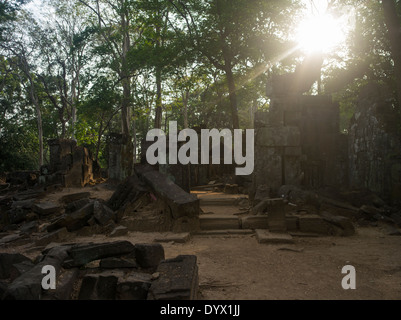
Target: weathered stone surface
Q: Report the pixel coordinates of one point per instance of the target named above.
(135, 287)
(345, 224)
(20, 268)
(178, 280)
(82, 254)
(255, 222)
(264, 236)
(174, 237)
(278, 137)
(64, 287)
(7, 260)
(29, 227)
(276, 215)
(16, 215)
(24, 204)
(292, 222)
(74, 197)
(99, 286)
(180, 202)
(3, 288)
(11, 238)
(119, 231)
(149, 255)
(76, 205)
(231, 189)
(102, 213)
(46, 208)
(28, 285)
(73, 221)
(374, 144)
(314, 224)
(111, 263)
(262, 192)
(216, 222)
(55, 236)
(370, 211)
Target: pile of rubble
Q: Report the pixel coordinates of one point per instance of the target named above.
(322, 212)
(100, 271)
(146, 201)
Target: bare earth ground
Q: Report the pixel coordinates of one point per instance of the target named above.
(237, 267)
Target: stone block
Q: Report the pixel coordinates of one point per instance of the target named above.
(75, 197)
(255, 222)
(313, 224)
(178, 280)
(135, 287)
(266, 237)
(149, 255)
(7, 260)
(59, 235)
(276, 215)
(216, 222)
(46, 208)
(278, 137)
(83, 253)
(112, 263)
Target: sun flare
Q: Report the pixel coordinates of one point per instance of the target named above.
(320, 33)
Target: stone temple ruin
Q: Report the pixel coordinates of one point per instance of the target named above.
(309, 180)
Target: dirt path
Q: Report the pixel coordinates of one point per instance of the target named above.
(238, 268)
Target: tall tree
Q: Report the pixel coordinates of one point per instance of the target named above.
(230, 33)
(392, 19)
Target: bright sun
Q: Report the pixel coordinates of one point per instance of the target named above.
(320, 33)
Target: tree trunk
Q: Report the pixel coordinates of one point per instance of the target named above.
(158, 116)
(233, 97)
(393, 22)
(185, 98)
(125, 77)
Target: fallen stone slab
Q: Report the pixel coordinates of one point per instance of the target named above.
(135, 287)
(149, 255)
(82, 254)
(267, 237)
(16, 215)
(29, 227)
(119, 231)
(314, 224)
(19, 268)
(24, 204)
(174, 237)
(216, 222)
(28, 286)
(11, 238)
(102, 213)
(73, 221)
(116, 263)
(178, 279)
(76, 205)
(180, 202)
(345, 224)
(7, 260)
(46, 208)
(64, 287)
(101, 286)
(239, 232)
(74, 197)
(59, 235)
(255, 222)
(292, 222)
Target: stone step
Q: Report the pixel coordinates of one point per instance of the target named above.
(219, 222)
(221, 201)
(224, 232)
(265, 236)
